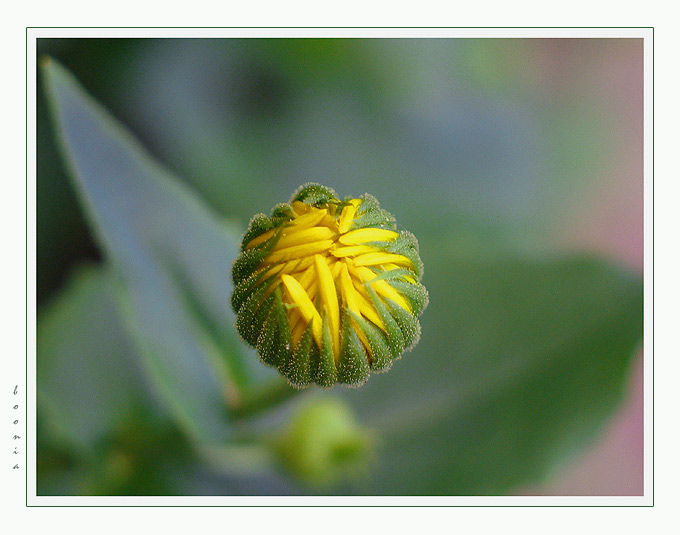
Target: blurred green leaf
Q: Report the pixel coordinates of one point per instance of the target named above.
(89, 381)
(519, 366)
(171, 256)
(99, 431)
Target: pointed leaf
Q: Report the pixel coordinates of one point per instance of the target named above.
(172, 258)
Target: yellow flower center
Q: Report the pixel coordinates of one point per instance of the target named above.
(323, 265)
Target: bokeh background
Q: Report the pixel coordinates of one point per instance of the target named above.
(525, 145)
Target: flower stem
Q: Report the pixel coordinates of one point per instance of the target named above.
(261, 398)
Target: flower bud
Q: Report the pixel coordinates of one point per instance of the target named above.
(328, 290)
(322, 444)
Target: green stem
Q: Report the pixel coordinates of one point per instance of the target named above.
(258, 399)
(244, 458)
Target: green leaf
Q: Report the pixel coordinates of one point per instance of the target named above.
(171, 256)
(89, 382)
(520, 364)
(100, 431)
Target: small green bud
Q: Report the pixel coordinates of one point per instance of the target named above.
(322, 444)
(328, 290)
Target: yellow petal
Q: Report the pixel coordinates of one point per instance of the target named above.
(335, 268)
(296, 265)
(360, 296)
(349, 294)
(329, 298)
(374, 259)
(297, 330)
(354, 272)
(300, 237)
(307, 220)
(365, 235)
(329, 222)
(305, 278)
(313, 290)
(297, 251)
(257, 240)
(368, 310)
(301, 208)
(382, 287)
(352, 250)
(298, 296)
(346, 218)
(351, 300)
(294, 316)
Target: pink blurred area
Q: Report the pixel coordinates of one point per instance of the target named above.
(610, 222)
(613, 466)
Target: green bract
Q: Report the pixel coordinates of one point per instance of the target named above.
(326, 289)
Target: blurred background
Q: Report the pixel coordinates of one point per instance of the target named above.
(481, 147)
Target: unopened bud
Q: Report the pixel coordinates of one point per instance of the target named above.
(323, 444)
(328, 290)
